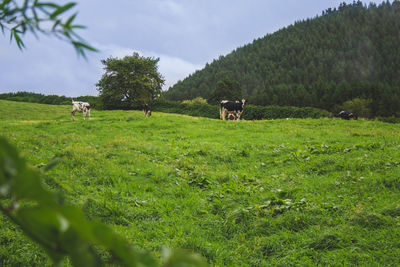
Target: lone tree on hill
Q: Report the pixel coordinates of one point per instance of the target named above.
(129, 82)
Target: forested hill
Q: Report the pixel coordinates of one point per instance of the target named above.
(348, 52)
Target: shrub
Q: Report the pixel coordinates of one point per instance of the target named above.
(281, 112)
(197, 100)
(195, 109)
(358, 106)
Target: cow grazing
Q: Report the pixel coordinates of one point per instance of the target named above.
(147, 110)
(345, 115)
(80, 107)
(231, 107)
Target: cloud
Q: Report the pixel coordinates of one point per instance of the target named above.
(171, 68)
(175, 69)
(49, 67)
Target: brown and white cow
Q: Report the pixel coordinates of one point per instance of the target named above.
(231, 107)
(80, 106)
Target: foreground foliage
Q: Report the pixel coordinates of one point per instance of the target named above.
(35, 16)
(250, 193)
(61, 230)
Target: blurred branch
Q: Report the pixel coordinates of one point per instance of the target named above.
(47, 18)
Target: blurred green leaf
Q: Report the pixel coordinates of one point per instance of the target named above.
(61, 9)
(18, 40)
(46, 4)
(182, 258)
(11, 19)
(83, 45)
(69, 21)
(22, 181)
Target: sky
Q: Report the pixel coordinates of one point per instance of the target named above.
(183, 34)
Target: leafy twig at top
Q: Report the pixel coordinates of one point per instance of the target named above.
(44, 17)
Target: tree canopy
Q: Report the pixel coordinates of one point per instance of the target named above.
(225, 89)
(348, 52)
(129, 82)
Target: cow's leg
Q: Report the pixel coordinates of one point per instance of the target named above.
(88, 113)
(223, 113)
(238, 114)
(73, 115)
(84, 114)
(226, 113)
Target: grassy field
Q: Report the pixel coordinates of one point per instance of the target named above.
(250, 193)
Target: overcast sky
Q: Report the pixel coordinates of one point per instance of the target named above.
(184, 34)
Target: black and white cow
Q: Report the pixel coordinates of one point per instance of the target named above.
(345, 115)
(147, 110)
(80, 107)
(231, 107)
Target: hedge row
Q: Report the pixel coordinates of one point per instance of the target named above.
(199, 110)
(250, 112)
(196, 109)
(50, 99)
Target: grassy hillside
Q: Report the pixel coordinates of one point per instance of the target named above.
(250, 193)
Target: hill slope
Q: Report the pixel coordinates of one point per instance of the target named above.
(349, 52)
(298, 192)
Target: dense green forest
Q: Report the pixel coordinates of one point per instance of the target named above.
(350, 52)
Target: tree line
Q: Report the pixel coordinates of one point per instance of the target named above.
(350, 52)
(50, 99)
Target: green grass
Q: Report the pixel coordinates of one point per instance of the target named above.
(250, 193)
